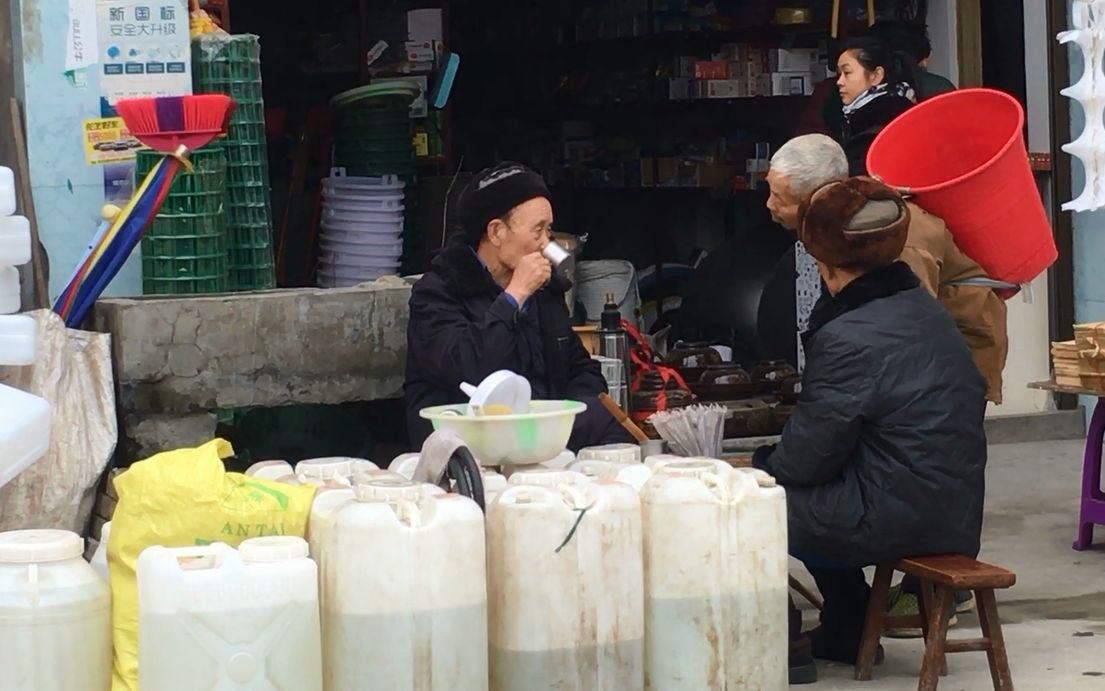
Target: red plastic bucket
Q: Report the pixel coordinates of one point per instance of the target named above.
(963, 157)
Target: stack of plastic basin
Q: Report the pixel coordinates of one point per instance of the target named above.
(362, 229)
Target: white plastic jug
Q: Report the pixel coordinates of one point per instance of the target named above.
(565, 584)
(219, 619)
(24, 428)
(704, 622)
(270, 470)
(7, 191)
(340, 470)
(405, 591)
(762, 584)
(55, 615)
(546, 477)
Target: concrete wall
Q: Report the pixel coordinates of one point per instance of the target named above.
(942, 33)
(177, 360)
(68, 193)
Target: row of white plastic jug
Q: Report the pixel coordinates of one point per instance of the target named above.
(686, 589)
(24, 419)
(335, 471)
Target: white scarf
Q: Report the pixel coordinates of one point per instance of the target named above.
(900, 89)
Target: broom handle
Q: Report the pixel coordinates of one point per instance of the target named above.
(620, 416)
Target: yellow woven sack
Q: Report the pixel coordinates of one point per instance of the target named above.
(181, 498)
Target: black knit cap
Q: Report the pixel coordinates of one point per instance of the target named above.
(493, 193)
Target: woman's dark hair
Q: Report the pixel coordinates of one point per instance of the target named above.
(873, 52)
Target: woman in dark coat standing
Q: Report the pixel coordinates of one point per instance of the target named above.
(876, 85)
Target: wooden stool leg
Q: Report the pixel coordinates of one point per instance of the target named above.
(938, 636)
(991, 629)
(926, 606)
(872, 627)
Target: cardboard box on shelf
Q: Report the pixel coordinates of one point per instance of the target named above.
(717, 88)
(665, 175)
(422, 51)
(714, 175)
(711, 69)
(678, 88)
(791, 84)
(792, 59)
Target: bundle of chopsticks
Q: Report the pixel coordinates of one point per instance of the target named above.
(1081, 363)
(696, 430)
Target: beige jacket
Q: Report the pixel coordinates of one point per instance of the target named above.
(978, 312)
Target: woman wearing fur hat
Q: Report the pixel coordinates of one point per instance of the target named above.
(884, 455)
(491, 301)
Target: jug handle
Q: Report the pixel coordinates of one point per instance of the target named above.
(409, 510)
(719, 486)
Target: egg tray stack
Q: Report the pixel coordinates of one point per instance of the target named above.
(231, 65)
(373, 139)
(184, 251)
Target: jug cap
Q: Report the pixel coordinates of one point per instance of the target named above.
(35, 546)
(274, 548)
(388, 490)
(547, 477)
(763, 478)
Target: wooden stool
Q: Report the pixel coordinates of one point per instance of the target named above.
(940, 577)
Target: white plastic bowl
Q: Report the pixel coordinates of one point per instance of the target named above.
(527, 439)
(378, 217)
(350, 263)
(357, 237)
(339, 248)
(361, 184)
(391, 228)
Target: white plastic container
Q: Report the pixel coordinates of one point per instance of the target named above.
(15, 241)
(24, 430)
(547, 477)
(18, 340)
(714, 626)
(270, 470)
(405, 606)
(99, 557)
(217, 618)
(405, 464)
(565, 577)
(55, 615)
(341, 470)
(762, 580)
(561, 462)
(7, 191)
(614, 453)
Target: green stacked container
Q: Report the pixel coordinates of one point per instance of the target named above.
(184, 252)
(232, 65)
(373, 138)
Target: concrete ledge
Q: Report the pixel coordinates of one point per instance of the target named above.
(270, 348)
(1050, 426)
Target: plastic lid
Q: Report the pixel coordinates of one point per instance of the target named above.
(547, 477)
(270, 470)
(763, 479)
(618, 453)
(275, 548)
(388, 490)
(500, 393)
(561, 462)
(595, 468)
(37, 546)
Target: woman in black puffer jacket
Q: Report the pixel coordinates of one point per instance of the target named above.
(876, 85)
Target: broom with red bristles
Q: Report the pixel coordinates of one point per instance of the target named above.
(175, 126)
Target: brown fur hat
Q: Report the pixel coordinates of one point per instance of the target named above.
(856, 224)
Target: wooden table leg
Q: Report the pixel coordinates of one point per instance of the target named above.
(1093, 503)
(991, 628)
(938, 635)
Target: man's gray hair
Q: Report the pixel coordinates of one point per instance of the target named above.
(809, 162)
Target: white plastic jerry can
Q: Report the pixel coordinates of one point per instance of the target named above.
(55, 615)
(212, 617)
(762, 586)
(24, 418)
(692, 561)
(565, 577)
(405, 591)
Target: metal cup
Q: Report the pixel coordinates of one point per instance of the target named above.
(555, 254)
